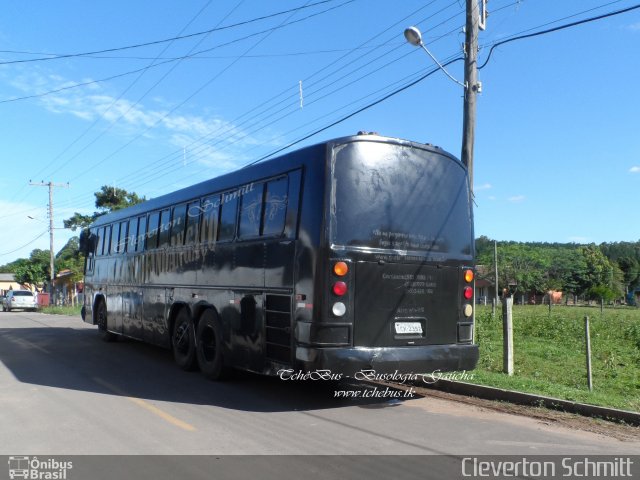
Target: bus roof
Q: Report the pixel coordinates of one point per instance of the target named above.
(262, 170)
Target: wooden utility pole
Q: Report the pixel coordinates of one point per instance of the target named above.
(51, 186)
(472, 86)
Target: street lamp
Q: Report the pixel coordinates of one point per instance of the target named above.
(414, 37)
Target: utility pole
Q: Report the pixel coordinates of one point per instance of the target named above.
(51, 186)
(472, 86)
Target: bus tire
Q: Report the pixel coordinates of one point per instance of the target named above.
(209, 341)
(101, 317)
(183, 340)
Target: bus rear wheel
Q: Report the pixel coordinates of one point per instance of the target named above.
(183, 341)
(101, 317)
(209, 341)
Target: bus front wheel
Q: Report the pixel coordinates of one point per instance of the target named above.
(209, 341)
(183, 341)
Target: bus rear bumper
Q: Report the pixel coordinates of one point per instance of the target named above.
(418, 360)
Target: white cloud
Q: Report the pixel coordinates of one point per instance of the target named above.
(516, 198)
(484, 186)
(635, 27)
(131, 119)
(635, 169)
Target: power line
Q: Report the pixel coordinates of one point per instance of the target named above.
(352, 114)
(195, 54)
(166, 40)
(123, 114)
(218, 57)
(208, 82)
(555, 29)
(114, 102)
(25, 245)
(255, 118)
(395, 92)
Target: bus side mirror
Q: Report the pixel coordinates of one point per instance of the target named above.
(87, 242)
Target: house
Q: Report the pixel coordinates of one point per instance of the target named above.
(65, 290)
(8, 282)
(485, 289)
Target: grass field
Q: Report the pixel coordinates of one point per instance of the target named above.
(549, 353)
(67, 310)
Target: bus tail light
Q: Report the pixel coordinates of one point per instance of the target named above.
(467, 293)
(339, 309)
(340, 269)
(340, 279)
(340, 288)
(468, 276)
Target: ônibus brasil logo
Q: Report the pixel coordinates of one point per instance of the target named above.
(33, 468)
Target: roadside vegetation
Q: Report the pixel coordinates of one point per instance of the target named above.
(61, 310)
(550, 353)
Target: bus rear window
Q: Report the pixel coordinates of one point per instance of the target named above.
(401, 198)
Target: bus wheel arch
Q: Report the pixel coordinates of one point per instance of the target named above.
(100, 319)
(183, 337)
(210, 346)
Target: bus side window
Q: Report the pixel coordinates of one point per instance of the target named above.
(251, 212)
(178, 225)
(142, 233)
(152, 236)
(227, 228)
(100, 242)
(275, 206)
(122, 243)
(210, 209)
(132, 238)
(165, 227)
(193, 221)
(107, 240)
(115, 234)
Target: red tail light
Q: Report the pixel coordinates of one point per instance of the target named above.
(340, 288)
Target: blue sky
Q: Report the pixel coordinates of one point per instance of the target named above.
(557, 153)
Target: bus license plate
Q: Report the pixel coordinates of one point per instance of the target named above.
(408, 327)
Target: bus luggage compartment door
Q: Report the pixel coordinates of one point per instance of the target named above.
(405, 304)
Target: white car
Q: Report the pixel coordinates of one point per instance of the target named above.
(23, 299)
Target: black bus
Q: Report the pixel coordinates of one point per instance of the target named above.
(354, 254)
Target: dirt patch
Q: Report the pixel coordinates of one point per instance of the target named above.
(544, 416)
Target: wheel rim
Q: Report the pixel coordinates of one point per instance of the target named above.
(208, 344)
(181, 338)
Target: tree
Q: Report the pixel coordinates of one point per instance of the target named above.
(108, 199)
(34, 270)
(70, 258)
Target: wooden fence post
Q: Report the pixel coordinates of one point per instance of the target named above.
(588, 341)
(507, 334)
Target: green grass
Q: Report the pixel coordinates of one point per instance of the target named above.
(550, 359)
(66, 310)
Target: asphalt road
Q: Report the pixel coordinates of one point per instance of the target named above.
(65, 392)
